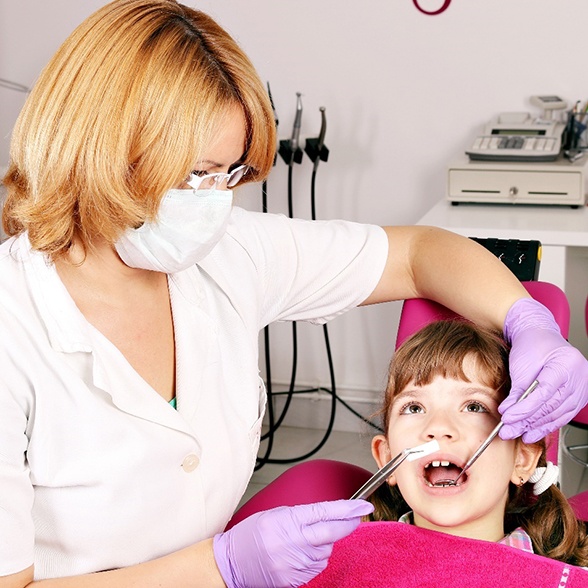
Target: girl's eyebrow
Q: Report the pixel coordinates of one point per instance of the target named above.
(409, 393)
(417, 392)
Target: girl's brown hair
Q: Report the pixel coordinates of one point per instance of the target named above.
(440, 348)
(120, 114)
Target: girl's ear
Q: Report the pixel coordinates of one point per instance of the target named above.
(526, 459)
(382, 454)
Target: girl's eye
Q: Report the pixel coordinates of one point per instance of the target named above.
(412, 408)
(476, 407)
(199, 173)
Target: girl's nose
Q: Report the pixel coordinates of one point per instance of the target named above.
(440, 426)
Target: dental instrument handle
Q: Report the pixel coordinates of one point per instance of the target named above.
(388, 469)
(380, 477)
(321, 137)
(295, 140)
(492, 435)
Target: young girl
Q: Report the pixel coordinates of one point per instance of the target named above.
(446, 383)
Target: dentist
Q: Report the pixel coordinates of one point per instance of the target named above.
(132, 295)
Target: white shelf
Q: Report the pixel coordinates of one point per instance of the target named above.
(552, 225)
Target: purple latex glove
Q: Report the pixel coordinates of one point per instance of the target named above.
(540, 352)
(285, 546)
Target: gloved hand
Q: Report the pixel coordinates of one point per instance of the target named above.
(538, 351)
(285, 546)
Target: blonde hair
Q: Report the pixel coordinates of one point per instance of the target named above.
(120, 114)
(440, 348)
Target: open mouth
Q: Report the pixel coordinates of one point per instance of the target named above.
(442, 474)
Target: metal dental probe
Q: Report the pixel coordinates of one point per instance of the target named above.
(491, 437)
(386, 471)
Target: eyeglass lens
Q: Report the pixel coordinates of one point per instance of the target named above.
(219, 180)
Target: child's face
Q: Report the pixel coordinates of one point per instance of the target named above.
(459, 415)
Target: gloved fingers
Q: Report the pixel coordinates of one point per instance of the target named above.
(511, 399)
(330, 521)
(327, 532)
(533, 413)
(514, 411)
(316, 512)
(538, 426)
(558, 418)
(550, 393)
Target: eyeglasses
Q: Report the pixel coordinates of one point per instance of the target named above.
(217, 181)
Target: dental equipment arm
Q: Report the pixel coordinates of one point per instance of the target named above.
(386, 471)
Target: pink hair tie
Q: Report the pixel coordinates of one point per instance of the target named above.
(543, 478)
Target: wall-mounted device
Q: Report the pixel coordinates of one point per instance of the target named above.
(518, 136)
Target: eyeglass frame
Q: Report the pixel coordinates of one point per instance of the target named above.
(232, 178)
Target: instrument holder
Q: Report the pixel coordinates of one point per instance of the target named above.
(312, 150)
(285, 151)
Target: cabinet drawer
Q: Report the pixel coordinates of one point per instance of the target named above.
(515, 187)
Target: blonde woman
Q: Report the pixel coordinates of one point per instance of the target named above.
(132, 295)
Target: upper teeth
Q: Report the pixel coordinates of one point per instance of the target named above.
(436, 464)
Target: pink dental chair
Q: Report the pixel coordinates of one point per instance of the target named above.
(580, 501)
(321, 479)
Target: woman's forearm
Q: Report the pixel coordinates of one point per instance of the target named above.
(192, 567)
(427, 262)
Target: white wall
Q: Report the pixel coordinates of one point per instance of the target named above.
(404, 93)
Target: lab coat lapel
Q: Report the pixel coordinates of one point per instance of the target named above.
(130, 393)
(198, 364)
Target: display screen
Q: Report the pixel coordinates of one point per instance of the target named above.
(527, 132)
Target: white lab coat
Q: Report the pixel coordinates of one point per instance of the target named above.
(97, 471)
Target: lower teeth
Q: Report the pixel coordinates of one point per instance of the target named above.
(443, 484)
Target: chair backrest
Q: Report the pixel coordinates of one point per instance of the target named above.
(306, 482)
(417, 313)
(582, 417)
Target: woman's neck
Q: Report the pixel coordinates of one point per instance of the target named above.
(100, 268)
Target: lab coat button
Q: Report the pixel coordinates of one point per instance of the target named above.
(190, 463)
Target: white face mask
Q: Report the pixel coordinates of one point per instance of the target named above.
(190, 223)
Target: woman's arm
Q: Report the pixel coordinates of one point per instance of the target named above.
(192, 567)
(427, 262)
(284, 546)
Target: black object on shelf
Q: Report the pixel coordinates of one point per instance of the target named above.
(523, 258)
